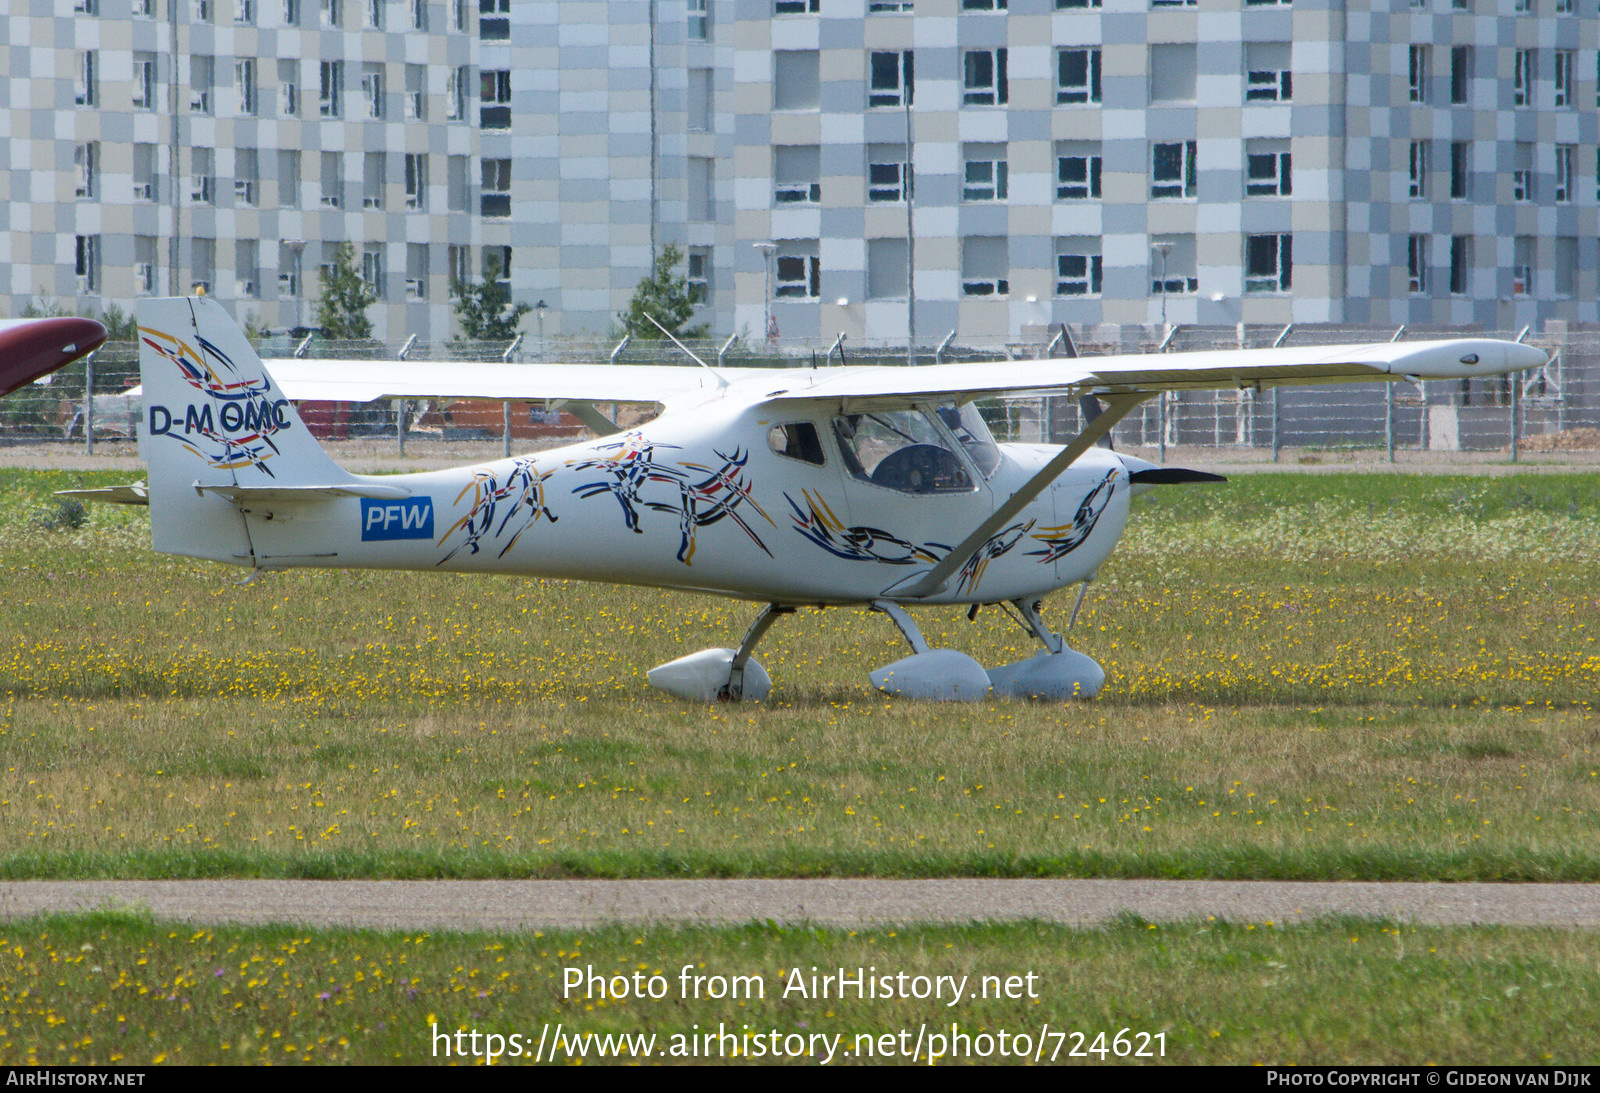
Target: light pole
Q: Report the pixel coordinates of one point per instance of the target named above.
(1163, 247)
(767, 250)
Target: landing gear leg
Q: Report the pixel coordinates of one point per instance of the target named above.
(733, 690)
(1055, 674)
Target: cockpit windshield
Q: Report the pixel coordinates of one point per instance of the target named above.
(969, 428)
(901, 450)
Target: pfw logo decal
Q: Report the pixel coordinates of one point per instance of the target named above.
(408, 519)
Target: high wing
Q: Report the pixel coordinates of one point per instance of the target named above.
(367, 380)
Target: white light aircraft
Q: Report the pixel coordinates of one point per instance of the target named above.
(791, 488)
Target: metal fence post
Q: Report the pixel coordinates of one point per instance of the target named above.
(1388, 405)
(1277, 444)
(1516, 401)
(400, 403)
(505, 406)
(88, 405)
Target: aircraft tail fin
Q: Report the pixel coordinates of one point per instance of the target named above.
(216, 427)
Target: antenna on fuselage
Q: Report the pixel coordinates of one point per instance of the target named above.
(720, 381)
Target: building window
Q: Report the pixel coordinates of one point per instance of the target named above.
(1566, 270)
(246, 176)
(702, 205)
(1563, 74)
(416, 271)
(86, 262)
(1078, 170)
(244, 11)
(455, 93)
(1077, 76)
(795, 85)
(419, 14)
(375, 178)
(144, 9)
(1460, 74)
(1172, 272)
(886, 269)
(699, 21)
(984, 175)
(699, 105)
(372, 89)
(494, 98)
(332, 13)
(1172, 170)
(1522, 75)
(202, 11)
(416, 181)
(1563, 7)
(799, 270)
(86, 161)
(1066, 5)
(1522, 7)
(291, 13)
(1267, 75)
(1172, 73)
(1460, 170)
(246, 269)
(1078, 266)
(372, 268)
(458, 14)
(984, 80)
(288, 179)
(698, 275)
(456, 184)
(495, 198)
(494, 20)
(289, 89)
(784, 7)
(144, 264)
(890, 83)
(1269, 263)
(497, 265)
(797, 174)
(1267, 170)
(1421, 154)
(203, 161)
(876, 7)
(1522, 173)
(1566, 155)
(204, 252)
(202, 81)
(1417, 264)
(1172, 3)
(458, 263)
(1522, 266)
(985, 266)
(333, 180)
(1419, 67)
(416, 93)
(145, 187)
(244, 81)
(144, 81)
(1460, 264)
(983, 5)
(330, 102)
(886, 172)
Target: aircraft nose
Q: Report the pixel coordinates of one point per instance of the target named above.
(32, 348)
(1521, 357)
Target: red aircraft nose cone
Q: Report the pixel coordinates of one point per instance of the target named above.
(30, 348)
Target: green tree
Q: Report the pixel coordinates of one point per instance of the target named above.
(342, 305)
(665, 295)
(485, 310)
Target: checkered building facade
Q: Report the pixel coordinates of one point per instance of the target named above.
(1432, 162)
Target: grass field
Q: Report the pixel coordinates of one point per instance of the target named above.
(114, 988)
(1314, 677)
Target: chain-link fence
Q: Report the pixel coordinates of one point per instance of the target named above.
(1555, 407)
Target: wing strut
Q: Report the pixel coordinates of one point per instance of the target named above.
(1117, 407)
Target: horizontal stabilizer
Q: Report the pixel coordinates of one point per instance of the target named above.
(136, 493)
(304, 493)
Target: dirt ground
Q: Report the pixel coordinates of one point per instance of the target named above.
(375, 455)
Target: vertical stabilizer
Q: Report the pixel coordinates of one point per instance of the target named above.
(213, 418)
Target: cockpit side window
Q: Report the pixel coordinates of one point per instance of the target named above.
(900, 450)
(796, 440)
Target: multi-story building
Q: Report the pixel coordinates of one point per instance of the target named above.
(1084, 161)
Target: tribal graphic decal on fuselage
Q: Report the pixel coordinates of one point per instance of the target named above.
(1063, 540)
(997, 545)
(817, 522)
(697, 494)
(233, 423)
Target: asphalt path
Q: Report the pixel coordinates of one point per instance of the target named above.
(541, 904)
